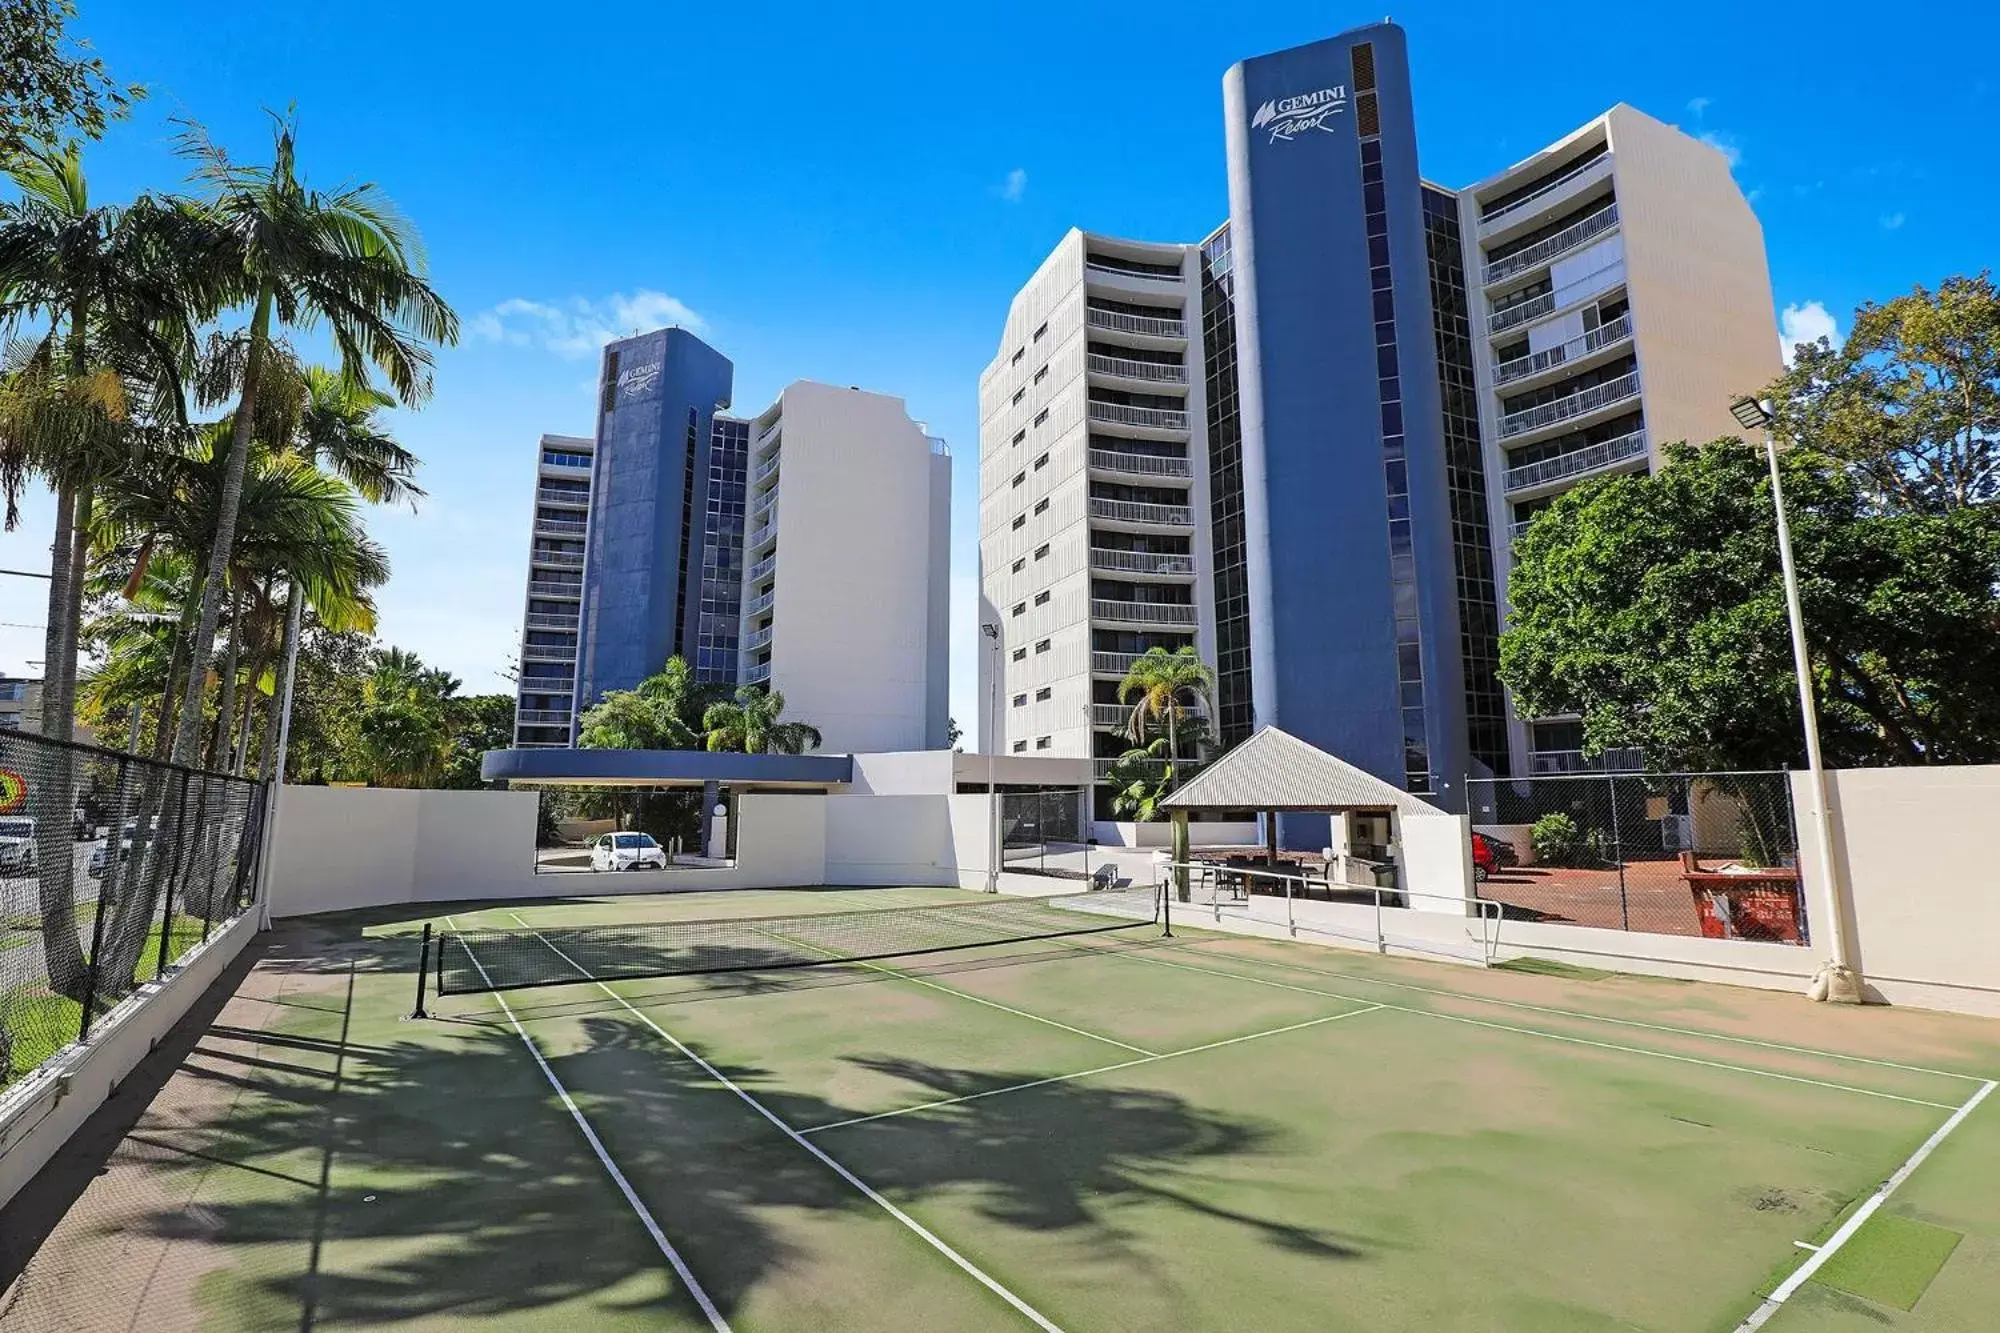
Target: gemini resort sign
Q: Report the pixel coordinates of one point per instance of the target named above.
(1289, 117)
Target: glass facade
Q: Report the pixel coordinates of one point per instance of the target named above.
(1234, 715)
(1395, 461)
(720, 618)
(1465, 476)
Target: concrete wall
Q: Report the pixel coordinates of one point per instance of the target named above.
(1923, 892)
(889, 840)
(1437, 861)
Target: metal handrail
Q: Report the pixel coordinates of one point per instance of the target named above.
(558, 496)
(1139, 465)
(1604, 335)
(543, 523)
(769, 532)
(558, 559)
(1601, 160)
(542, 620)
(1548, 248)
(1522, 313)
(759, 605)
(1115, 270)
(1570, 405)
(1142, 613)
(548, 652)
(1141, 324)
(1165, 372)
(1577, 462)
(757, 639)
(763, 567)
(756, 673)
(1116, 663)
(1151, 418)
(1138, 511)
(764, 503)
(1141, 562)
(537, 588)
(1619, 759)
(767, 467)
(541, 717)
(1218, 879)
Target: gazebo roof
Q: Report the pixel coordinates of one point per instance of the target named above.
(1275, 770)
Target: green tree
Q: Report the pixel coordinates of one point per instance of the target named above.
(1165, 687)
(751, 723)
(346, 259)
(50, 85)
(479, 722)
(1911, 401)
(1652, 607)
(664, 713)
(405, 727)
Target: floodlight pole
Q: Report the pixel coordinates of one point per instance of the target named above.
(991, 630)
(1843, 981)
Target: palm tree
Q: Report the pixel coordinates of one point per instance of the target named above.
(749, 724)
(405, 722)
(347, 259)
(1164, 683)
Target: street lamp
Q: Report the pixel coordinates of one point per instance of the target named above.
(991, 629)
(1842, 981)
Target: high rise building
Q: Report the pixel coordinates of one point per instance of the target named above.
(1094, 541)
(838, 596)
(1388, 377)
(543, 705)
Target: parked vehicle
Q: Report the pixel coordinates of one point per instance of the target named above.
(100, 855)
(17, 845)
(627, 851)
(1485, 857)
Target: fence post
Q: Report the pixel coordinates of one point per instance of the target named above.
(1291, 922)
(1381, 938)
(97, 917)
(1618, 854)
(167, 880)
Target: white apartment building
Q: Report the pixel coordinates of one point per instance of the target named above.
(544, 697)
(1620, 299)
(1093, 484)
(847, 556)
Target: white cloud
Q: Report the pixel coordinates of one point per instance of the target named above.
(576, 328)
(1725, 144)
(1806, 323)
(1891, 221)
(1015, 185)
(1697, 105)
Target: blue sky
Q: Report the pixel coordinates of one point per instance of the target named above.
(853, 197)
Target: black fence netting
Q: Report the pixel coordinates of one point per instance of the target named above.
(112, 867)
(1712, 854)
(1047, 831)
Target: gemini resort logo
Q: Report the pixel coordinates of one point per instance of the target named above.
(1289, 117)
(636, 380)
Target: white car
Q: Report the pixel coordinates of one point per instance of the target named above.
(17, 845)
(627, 851)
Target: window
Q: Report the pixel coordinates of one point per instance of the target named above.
(1019, 394)
(1019, 477)
(1020, 564)
(1041, 551)
(1019, 352)
(1041, 416)
(1020, 701)
(1040, 375)
(1044, 742)
(1020, 654)
(1020, 434)
(563, 458)
(1041, 462)
(1020, 521)
(1042, 597)
(1042, 330)
(1041, 505)
(1020, 746)
(1041, 646)
(1020, 609)
(1043, 693)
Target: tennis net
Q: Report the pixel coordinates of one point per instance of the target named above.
(515, 959)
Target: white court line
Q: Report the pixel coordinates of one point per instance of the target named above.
(715, 1319)
(963, 995)
(1621, 1022)
(1040, 1320)
(1553, 1036)
(1812, 1263)
(1086, 1073)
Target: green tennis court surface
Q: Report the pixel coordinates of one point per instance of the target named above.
(1101, 1132)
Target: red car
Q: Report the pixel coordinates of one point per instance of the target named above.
(1485, 857)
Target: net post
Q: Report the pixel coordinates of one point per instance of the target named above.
(1167, 906)
(423, 971)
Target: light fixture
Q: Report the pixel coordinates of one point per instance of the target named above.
(1752, 414)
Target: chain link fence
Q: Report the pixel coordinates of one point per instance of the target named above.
(1712, 854)
(112, 867)
(1047, 832)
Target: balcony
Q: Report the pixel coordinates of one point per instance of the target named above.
(757, 606)
(1541, 252)
(1118, 717)
(1172, 615)
(1578, 462)
(1156, 768)
(560, 526)
(766, 468)
(538, 588)
(547, 684)
(1623, 760)
(757, 639)
(556, 495)
(1607, 335)
(1114, 269)
(551, 622)
(762, 536)
(1577, 404)
(557, 559)
(1112, 664)
(1139, 465)
(1155, 564)
(1155, 371)
(756, 673)
(763, 568)
(1144, 325)
(1512, 316)
(1134, 511)
(542, 717)
(764, 504)
(1147, 418)
(1542, 197)
(548, 652)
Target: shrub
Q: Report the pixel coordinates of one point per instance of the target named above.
(1558, 841)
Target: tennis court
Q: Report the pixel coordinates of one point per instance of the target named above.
(1099, 1129)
